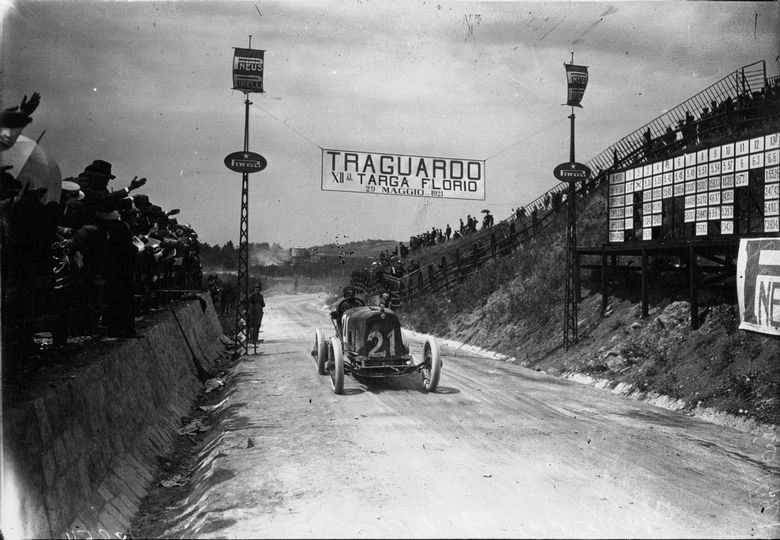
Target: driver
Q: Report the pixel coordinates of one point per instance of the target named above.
(348, 302)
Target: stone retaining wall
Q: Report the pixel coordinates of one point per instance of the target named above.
(79, 459)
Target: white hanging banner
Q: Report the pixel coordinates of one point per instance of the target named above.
(396, 174)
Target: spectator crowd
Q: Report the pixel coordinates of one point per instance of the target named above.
(438, 236)
(750, 112)
(80, 257)
(723, 119)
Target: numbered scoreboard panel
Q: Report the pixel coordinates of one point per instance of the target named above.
(720, 191)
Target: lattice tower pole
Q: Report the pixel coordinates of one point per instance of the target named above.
(242, 285)
(570, 308)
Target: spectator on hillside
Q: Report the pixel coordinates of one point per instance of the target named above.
(557, 201)
(471, 223)
(447, 232)
(487, 221)
(689, 130)
(669, 137)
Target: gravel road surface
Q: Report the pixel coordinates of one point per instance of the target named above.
(497, 451)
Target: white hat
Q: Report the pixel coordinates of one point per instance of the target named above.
(72, 187)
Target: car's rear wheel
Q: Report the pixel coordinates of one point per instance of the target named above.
(431, 370)
(321, 352)
(336, 365)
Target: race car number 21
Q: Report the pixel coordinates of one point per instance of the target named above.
(384, 344)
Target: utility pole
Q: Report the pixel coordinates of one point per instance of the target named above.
(570, 309)
(242, 288)
(571, 172)
(248, 65)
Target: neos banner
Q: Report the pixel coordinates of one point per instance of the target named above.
(409, 176)
(758, 285)
(577, 81)
(248, 70)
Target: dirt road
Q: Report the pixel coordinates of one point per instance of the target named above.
(497, 451)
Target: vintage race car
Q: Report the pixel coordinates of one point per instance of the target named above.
(369, 343)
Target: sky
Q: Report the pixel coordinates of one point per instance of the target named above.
(147, 87)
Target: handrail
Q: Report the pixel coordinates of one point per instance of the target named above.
(630, 149)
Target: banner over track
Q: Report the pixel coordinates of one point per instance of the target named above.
(410, 176)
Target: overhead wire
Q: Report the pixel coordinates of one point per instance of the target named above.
(534, 134)
(288, 126)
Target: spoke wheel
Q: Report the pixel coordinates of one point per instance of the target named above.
(321, 352)
(431, 370)
(336, 365)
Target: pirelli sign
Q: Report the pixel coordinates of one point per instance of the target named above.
(403, 175)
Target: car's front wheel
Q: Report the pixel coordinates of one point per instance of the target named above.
(336, 365)
(431, 370)
(321, 352)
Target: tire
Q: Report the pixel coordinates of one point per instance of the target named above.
(336, 365)
(321, 352)
(432, 369)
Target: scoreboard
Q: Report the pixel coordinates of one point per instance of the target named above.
(721, 191)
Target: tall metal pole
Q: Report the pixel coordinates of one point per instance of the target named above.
(572, 277)
(242, 286)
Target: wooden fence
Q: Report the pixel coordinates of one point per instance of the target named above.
(459, 263)
(475, 250)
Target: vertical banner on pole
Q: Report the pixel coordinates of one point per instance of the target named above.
(248, 67)
(577, 80)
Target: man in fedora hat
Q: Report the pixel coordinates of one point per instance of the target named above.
(103, 203)
(120, 257)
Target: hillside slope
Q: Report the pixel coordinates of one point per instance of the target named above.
(515, 307)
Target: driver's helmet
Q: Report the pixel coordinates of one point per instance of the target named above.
(384, 299)
(349, 292)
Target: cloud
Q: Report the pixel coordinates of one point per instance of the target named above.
(147, 86)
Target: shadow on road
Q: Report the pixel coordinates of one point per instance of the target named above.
(447, 390)
(411, 382)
